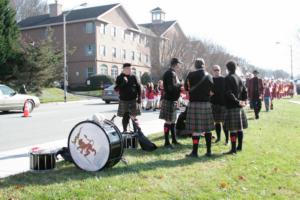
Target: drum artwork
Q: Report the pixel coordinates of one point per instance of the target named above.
(94, 146)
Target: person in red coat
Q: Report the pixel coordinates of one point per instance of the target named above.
(255, 92)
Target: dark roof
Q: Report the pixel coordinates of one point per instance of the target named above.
(147, 31)
(156, 9)
(79, 14)
(159, 28)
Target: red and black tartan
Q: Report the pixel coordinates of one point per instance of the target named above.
(236, 119)
(129, 106)
(199, 117)
(168, 110)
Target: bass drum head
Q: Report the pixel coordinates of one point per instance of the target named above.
(89, 146)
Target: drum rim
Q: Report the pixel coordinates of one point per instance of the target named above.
(120, 135)
(90, 121)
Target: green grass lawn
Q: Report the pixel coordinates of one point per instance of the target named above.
(268, 168)
(56, 95)
(93, 93)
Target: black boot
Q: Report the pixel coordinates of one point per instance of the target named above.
(240, 136)
(233, 144)
(173, 135)
(166, 132)
(194, 153)
(218, 132)
(125, 121)
(226, 134)
(208, 144)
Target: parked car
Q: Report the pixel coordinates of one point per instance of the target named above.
(11, 100)
(109, 95)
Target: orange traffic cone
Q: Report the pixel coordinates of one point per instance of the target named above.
(26, 110)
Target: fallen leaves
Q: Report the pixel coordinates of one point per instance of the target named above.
(224, 185)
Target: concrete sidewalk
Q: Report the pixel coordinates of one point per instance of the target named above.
(17, 161)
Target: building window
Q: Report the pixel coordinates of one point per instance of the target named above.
(90, 50)
(114, 71)
(147, 58)
(102, 28)
(102, 50)
(140, 57)
(103, 70)
(133, 71)
(124, 54)
(132, 55)
(114, 52)
(90, 71)
(114, 31)
(122, 34)
(131, 36)
(89, 27)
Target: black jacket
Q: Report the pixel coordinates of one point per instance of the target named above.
(235, 91)
(202, 92)
(219, 91)
(129, 90)
(171, 85)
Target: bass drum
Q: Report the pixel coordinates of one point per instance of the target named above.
(94, 146)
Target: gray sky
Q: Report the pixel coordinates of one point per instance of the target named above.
(246, 28)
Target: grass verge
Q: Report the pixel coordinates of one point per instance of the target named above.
(56, 95)
(268, 168)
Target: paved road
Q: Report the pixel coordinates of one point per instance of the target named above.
(52, 122)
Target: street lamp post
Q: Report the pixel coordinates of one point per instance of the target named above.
(65, 48)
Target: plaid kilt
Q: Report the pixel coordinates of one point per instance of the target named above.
(236, 119)
(218, 113)
(129, 106)
(199, 117)
(168, 110)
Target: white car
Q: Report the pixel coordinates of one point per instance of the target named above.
(11, 100)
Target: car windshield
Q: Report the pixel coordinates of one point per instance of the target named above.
(110, 87)
(6, 90)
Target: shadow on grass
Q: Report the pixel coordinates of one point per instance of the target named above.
(66, 171)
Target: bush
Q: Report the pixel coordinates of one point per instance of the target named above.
(100, 81)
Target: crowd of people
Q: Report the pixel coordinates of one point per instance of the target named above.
(215, 102)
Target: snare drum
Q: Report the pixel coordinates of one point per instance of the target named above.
(94, 146)
(130, 140)
(42, 160)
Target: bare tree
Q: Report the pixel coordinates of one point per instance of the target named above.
(29, 8)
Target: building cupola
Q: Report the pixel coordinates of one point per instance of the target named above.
(158, 15)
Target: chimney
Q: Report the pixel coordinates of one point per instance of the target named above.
(55, 9)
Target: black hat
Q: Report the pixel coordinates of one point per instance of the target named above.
(126, 65)
(199, 63)
(175, 61)
(255, 72)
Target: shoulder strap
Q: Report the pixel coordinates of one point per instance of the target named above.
(199, 83)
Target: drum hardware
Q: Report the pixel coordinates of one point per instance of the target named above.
(42, 159)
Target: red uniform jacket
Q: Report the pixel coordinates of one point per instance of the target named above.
(250, 88)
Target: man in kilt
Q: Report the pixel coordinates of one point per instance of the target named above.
(172, 88)
(199, 117)
(130, 95)
(235, 100)
(218, 103)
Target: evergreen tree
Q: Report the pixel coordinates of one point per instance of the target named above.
(9, 34)
(146, 78)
